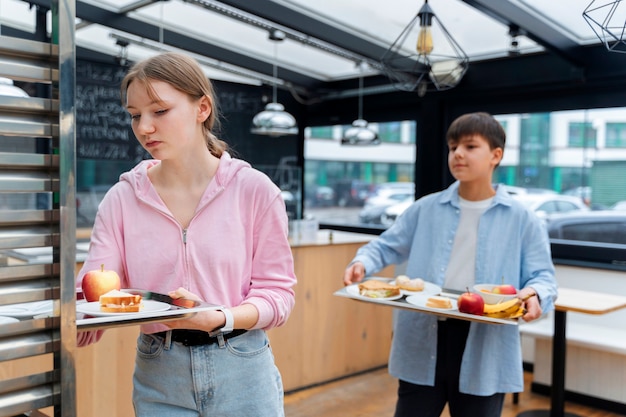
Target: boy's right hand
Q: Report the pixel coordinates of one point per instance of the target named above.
(354, 273)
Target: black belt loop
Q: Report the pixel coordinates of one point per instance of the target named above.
(197, 337)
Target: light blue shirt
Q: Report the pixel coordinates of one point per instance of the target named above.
(512, 243)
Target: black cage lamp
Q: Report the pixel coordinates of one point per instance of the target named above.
(425, 57)
(608, 25)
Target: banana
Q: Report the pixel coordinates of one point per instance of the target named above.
(517, 314)
(504, 309)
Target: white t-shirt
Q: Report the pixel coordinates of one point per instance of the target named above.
(462, 265)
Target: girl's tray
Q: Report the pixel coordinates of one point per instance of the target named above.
(417, 303)
(157, 308)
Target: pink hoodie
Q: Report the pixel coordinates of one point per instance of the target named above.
(235, 250)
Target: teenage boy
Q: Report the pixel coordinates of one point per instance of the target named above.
(470, 233)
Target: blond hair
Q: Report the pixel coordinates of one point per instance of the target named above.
(184, 74)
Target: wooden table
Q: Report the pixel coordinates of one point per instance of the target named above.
(579, 301)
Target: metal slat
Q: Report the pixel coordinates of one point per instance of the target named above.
(28, 291)
(23, 272)
(32, 182)
(32, 105)
(27, 48)
(28, 73)
(36, 237)
(31, 217)
(10, 160)
(27, 345)
(24, 401)
(11, 126)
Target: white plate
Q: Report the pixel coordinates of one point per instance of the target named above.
(24, 310)
(429, 288)
(420, 301)
(93, 308)
(354, 290)
(7, 320)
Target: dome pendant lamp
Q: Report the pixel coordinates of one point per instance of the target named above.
(274, 120)
(360, 133)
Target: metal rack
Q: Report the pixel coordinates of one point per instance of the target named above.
(37, 210)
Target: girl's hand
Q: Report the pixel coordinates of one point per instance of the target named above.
(202, 320)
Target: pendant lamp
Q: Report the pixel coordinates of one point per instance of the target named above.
(360, 133)
(274, 120)
(425, 57)
(608, 23)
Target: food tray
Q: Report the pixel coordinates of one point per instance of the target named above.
(402, 303)
(179, 309)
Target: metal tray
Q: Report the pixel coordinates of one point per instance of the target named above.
(180, 308)
(402, 303)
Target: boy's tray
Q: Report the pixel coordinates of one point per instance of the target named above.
(417, 303)
(157, 308)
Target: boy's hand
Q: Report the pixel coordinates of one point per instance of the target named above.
(532, 305)
(354, 273)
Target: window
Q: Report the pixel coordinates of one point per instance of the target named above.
(339, 180)
(581, 135)
(616, 135)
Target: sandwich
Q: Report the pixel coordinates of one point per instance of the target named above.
(378, 289)
(437, 301)
(116, 301)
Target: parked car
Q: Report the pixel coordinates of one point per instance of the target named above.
(582, 192)
(515, 190)
(319, 196)
(620, 205)
(608, 226)
(376, 204)
(546, 205)
(351, 192)
(391, 213)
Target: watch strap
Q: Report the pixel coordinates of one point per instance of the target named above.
(230, 321)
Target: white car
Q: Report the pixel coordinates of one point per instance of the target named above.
(545, 205)
(390, 214)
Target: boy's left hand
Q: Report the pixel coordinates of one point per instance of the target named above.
(532, 304)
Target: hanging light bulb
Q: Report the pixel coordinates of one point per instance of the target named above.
(274, 120)
(416, 64)
(425, 37)
(360, 133)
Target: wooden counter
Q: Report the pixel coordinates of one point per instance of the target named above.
(326, 337)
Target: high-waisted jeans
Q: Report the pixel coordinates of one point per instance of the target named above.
(236, 378)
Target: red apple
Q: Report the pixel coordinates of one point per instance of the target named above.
(98, 282)
(504, 289)
(471, 303)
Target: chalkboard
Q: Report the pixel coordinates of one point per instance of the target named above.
(103, 129)
(102, 124)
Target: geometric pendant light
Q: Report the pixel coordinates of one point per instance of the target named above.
(607, 24)
(274, 120)
(425, 57)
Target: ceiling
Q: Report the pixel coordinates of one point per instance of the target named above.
(327, 41)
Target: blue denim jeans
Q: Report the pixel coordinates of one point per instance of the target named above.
(238, 378)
